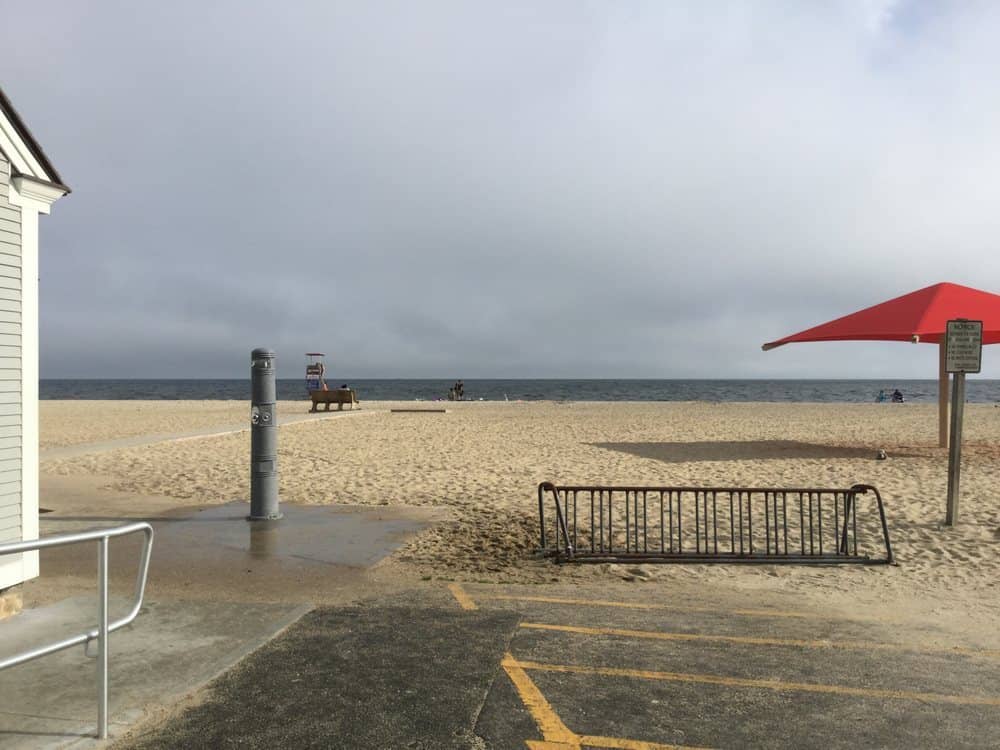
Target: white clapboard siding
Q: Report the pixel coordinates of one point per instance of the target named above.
(10, 362)
(10, 521)
(10, 528)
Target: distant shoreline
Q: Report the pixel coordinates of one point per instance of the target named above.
(550, 389)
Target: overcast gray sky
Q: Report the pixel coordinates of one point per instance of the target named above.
(538, 189)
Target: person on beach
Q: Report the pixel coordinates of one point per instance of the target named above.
(880, 398)
(897, 397)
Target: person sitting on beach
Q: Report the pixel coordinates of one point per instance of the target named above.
(897, 397)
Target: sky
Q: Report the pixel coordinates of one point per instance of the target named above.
(472, 189)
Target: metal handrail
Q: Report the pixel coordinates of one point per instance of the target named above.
(104, 628)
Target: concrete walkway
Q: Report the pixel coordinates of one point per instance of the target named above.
(169, 650)
(219, 587)
(72, 451)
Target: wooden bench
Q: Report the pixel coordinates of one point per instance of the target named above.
(338, 396)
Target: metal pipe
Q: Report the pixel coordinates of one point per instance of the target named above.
(955, 450)
(104, 628)
(942, 394)
(102, 638)
(541, 512)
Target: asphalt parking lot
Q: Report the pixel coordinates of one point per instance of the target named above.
(644, 674)
(554, 668)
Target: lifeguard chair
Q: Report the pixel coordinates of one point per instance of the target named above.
(315, 372)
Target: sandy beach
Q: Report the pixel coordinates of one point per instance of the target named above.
(482, 462)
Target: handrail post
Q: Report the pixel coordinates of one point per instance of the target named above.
(102, 638)
(104, 626)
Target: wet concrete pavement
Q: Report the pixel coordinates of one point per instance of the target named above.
(315, 553)
(219, 587)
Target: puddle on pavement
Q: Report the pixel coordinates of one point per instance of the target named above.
(337, 535)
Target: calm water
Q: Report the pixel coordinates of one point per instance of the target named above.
(978, 390)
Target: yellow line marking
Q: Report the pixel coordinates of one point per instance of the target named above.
(641, 605)
(972, 700)
(464, 600)
(618, 743)
(755, 641)
(548, 721)
(556, 735)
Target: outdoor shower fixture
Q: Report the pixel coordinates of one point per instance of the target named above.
(263, 438)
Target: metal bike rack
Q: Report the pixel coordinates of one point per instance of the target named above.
(104, 628)
(712, 524)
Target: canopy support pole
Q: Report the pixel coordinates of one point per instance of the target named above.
(942, 397)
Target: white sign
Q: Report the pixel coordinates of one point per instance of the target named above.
(964, 346)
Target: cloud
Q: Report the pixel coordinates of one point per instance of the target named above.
(537, 189)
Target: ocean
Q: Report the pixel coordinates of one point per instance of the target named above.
(832, 391)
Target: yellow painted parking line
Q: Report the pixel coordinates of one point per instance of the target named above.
(645, 606)
(755, 641)
(548, 721)
(464, 600)
(556, 735)
(619, 743)
(970, 700)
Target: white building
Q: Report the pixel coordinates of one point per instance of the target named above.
(29, 185)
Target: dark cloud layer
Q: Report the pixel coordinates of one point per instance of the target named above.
(534, 190)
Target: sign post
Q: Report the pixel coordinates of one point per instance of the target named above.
(963, 353)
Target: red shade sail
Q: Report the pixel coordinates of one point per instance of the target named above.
(923, 313)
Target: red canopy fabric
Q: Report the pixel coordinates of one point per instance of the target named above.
(922, 313)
